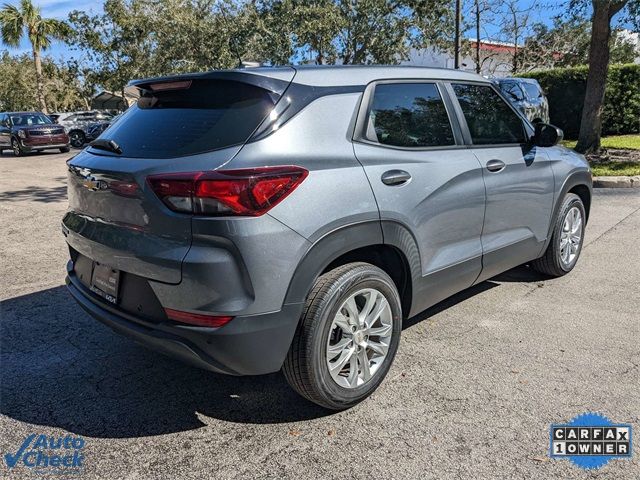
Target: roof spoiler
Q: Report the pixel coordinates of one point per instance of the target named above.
(274, 79)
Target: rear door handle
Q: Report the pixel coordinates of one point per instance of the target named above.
(395, 177)
(495, 165)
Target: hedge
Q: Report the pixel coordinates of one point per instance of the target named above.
(565, 89)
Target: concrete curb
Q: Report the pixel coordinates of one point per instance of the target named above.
(617, 182)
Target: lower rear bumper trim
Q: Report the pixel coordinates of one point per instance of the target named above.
(250, 345)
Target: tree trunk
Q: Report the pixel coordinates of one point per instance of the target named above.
(478, 67)
(591, 122)
(39, 83)
(514, 67)
(456, 42)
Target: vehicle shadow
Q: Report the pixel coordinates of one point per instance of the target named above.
(35, 194)
(60, 368)
(9, 154)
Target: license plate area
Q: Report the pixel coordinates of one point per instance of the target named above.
(105, 281)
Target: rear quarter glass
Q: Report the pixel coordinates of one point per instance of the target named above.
(207, 115)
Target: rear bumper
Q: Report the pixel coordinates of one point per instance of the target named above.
(249, 345)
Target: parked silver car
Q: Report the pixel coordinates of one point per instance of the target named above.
(253, 220)
(527, 96)
(77, 123)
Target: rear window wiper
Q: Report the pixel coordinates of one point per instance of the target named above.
(104, 144)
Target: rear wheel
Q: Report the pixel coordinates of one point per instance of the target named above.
(77, 138)
(347, 337)
(566, 241)
(17, 149)
(65, 150)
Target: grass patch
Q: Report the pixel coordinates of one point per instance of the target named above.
(623, 142)
(609, 169)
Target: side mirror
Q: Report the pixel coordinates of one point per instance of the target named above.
(547, 135)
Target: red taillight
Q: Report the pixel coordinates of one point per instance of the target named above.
(197, 318)
(250, 191)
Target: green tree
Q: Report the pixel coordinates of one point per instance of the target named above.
(16, 21)
(566, 44)
(63, 91)
(362, 32)
(599, 57)
(117, 43)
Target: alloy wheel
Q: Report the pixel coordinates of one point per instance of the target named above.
(359, 338)
(76, 139)
(571, 236)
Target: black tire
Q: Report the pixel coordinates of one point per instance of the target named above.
(305, 367)
(65, 150)
(551, 263)
(17, 149)
(77, 138)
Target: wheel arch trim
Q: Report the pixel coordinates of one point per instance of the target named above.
(344, 240)
(574, 179)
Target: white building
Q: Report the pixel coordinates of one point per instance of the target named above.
(496, 58)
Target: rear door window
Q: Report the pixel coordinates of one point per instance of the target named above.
(489, 118)
(195, 117)
(409, 115)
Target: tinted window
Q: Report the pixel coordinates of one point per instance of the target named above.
(204, 116)
(532, 89)
(512, 90)
(409, 115)
(490, 119)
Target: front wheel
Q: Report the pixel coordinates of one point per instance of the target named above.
(77, 138)
(17, 149)
(65, 150)
(347, 337)
(566, 240)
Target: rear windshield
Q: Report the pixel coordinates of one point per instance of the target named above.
(198, 116)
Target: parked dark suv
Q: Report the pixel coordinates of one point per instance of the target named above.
(248, 221)
(24, 132)
(527, 96)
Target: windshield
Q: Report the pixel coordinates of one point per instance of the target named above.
(29, 119)
(195, 116)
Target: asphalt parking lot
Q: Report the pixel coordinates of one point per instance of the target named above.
(474, 388)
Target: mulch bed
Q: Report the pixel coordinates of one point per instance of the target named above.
(614, 155)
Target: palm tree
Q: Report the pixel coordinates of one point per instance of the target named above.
(26, 19)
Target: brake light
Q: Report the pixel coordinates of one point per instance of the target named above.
(163, 86)
(248, 192)
(197, 318)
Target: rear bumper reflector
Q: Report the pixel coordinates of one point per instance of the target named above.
(197, 318)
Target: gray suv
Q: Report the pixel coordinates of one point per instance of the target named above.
(248, 221)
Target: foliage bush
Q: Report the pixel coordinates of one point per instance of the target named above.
(565, 88)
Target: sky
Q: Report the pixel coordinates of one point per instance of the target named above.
(61, 8)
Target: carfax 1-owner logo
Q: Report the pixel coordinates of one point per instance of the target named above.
(590, 440)
(48, 454)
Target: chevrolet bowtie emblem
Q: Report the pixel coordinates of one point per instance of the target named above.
(93, 184)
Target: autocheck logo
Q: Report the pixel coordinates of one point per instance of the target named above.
(48, 454)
